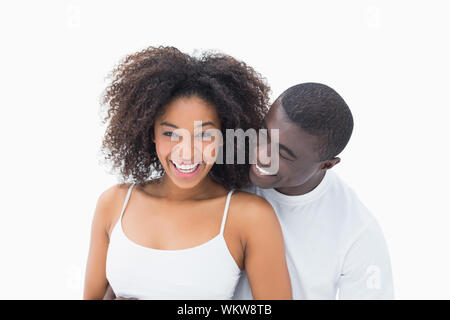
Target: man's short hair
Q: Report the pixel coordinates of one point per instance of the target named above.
(320, 111)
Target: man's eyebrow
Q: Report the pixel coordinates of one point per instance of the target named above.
(288, 151)
(165, 123)
(283, 147)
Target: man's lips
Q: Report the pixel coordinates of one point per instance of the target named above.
(260, 170)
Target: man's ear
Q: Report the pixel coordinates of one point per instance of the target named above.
(328, 164)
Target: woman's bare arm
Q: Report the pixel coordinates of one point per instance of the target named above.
(265, 260)
(95, 282)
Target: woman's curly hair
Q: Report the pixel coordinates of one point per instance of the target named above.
(143, 83)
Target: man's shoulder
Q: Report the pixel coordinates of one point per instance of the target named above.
(351, 212)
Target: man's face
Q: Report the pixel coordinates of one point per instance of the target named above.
(298, 153)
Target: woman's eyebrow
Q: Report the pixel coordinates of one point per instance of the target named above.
(165, 123)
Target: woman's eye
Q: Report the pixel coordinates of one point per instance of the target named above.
(204, 134)
(169, 133)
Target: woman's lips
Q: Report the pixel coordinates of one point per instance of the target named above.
(185, 174)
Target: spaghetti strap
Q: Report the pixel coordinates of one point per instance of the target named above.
(225, 211)
(126, 201)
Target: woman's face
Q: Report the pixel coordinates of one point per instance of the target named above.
(187, 150)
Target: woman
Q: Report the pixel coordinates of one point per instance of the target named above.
(181, 230)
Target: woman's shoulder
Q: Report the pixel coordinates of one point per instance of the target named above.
(109, 203)
(251, 206)
(253, 216)
(113, 194)
(250, 199)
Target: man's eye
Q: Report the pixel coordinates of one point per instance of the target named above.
(285, 158)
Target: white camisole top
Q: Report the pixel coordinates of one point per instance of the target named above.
(206, 271)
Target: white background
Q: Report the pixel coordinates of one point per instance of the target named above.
(388, 59)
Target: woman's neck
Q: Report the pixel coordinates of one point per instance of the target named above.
(203, 190)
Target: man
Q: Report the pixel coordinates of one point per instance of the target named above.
(334, 246)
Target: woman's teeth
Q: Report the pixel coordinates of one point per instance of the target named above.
(185, 167)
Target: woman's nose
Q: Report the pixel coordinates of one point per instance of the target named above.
(187, 150)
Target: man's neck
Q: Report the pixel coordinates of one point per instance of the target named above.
(308, 186)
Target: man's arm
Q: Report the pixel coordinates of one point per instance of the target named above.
(366, 271)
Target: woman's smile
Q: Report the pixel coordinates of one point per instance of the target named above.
(186, 170)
